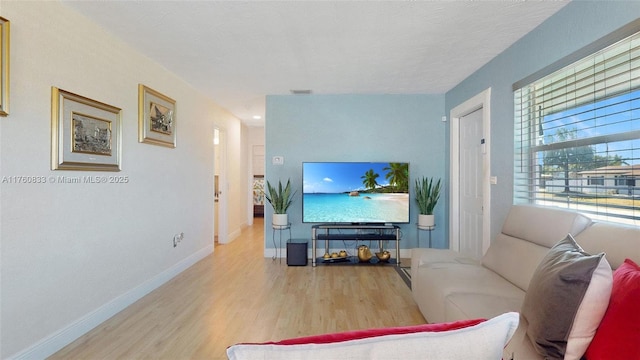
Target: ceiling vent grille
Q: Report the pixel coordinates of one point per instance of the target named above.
(301, 92)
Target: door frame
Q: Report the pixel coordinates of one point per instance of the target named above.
(480, 101)
(223, 236)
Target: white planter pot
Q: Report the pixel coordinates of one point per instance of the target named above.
(426, 220)
(280, 220)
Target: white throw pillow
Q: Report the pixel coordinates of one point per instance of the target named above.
(591, 311)
(483, 341)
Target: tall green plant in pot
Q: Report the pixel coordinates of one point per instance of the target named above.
(427, 196)
(280, 199)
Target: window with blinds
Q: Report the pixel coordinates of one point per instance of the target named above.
(577, 136)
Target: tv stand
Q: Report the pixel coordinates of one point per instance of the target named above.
(357, 232)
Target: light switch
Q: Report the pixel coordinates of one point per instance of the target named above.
(493, 180)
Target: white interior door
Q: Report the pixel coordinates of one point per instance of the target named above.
(470, 164)
(471, 198)
(220, 185)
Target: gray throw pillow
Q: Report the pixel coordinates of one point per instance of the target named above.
(554, 295)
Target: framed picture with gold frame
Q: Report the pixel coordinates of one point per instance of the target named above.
(4, 66)
(156, 118)
(85, 134)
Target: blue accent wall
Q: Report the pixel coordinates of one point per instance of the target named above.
(577, 25)
(394, 128)
(409, 127)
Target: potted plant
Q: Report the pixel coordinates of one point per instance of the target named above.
(280, 199)
(427, 195)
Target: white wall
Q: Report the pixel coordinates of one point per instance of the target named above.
(74, 254)
(256, 149)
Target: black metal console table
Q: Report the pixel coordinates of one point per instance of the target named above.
(372, 232)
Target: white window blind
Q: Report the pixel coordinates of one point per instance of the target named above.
(577, 136)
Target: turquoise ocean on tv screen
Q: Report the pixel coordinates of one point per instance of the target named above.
(366, 208)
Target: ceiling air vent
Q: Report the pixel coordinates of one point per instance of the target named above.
(300, 92)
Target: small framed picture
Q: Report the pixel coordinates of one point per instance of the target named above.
(85, 133)
(4, 66)
(156, 118)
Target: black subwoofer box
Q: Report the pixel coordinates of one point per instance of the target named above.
(297, 254)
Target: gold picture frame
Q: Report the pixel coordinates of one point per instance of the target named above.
(4, 66)
(85, 134)
(156, 118)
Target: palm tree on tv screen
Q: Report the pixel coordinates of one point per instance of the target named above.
(398, 176)
(369, 179)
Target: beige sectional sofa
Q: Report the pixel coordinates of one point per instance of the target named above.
(448, 286)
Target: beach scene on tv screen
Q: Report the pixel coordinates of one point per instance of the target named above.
(349, 192)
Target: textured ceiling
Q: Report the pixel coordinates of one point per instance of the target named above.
(237, 52)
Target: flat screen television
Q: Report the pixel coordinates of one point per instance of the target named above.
(355, 192)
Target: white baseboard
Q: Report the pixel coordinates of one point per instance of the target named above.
(278, 253)
(234, 235)
(63, 337)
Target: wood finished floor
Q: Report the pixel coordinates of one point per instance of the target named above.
(237, 295)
